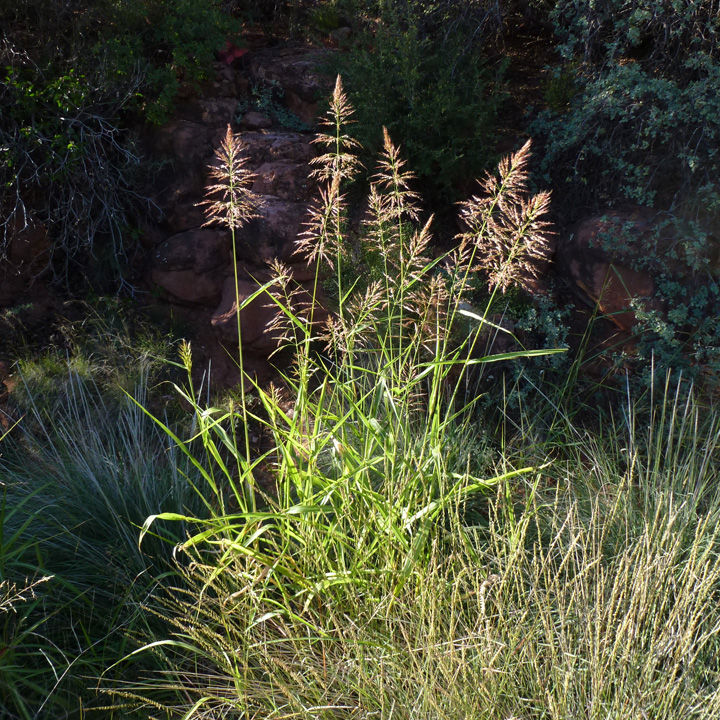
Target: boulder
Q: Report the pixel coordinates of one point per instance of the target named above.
(189, 286)
(276, 146)
(254, 318)
(273, 233)
(191, 265)
(257, 317)
(201, 250)
(184, 216)
(602, 276)
(189, 143)
(228, 81)
(218, 111)
(284, 179)
(255, 121)
(612, 287)
(179, 201)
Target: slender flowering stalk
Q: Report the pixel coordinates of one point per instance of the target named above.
(230, 201)
(339, 160)
(323, 241)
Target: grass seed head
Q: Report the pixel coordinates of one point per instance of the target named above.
(229, 199)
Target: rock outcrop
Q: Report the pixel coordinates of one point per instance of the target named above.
(193, 264)
(605, 277)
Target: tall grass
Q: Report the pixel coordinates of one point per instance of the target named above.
(370, 431)
(586, 589)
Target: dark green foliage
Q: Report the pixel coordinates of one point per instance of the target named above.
(559, 89)
(64, 160)
(661, 35)
(73, 78)
(631, 134)
(171, 41)
(637, 118)
(153, 45)
(422, 71)
(644, 121)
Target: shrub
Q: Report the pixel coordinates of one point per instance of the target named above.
(422, 70)
(68, 158)
(660, 35)
(171, 43)
(66, 163)
(677, 328)
(635, 135)
(642, 124)
(643, 120)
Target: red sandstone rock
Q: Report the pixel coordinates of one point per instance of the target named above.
(188, 142)
(283, 179)
(189, 286)
(274, 146)
(295, 70)
(201, 250)
(254, 318)
(191, 265)
(255, 121)
(218, 111)
(604, 278)
(274, 232)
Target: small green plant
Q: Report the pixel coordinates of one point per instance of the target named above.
(266, 98)
(325, 17)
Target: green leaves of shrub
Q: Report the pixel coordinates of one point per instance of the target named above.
(167, 42)
(66, 155)
(643, 125)
(631, 134)
(423, 74)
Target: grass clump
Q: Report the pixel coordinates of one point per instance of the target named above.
(369, 440)
(79, 473)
